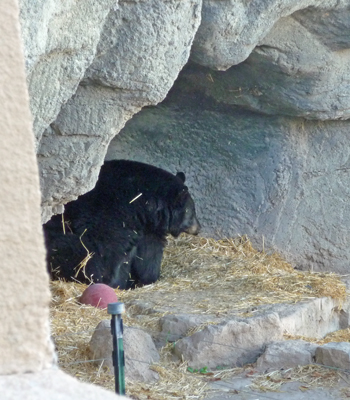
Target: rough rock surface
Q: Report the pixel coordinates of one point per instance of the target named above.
(286, 354)
(51, 384)
(315, 317)
(60, 40)
(126, 75)
(232, 343)
(298, 69)
(334, 355)
(91, 66)
(238, 388)
(140, 351)
(176, 326)
(230, 30)
(310, 318)
(277, 179)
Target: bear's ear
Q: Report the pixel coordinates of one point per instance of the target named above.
(181, 176)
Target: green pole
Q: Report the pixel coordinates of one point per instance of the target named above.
(116, 309)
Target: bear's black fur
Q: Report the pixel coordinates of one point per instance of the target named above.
(122, 224)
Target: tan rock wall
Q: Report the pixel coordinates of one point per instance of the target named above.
(26, 351)
(24, 307)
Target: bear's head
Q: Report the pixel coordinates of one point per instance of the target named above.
(183, 215)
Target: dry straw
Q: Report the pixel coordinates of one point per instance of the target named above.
(309, 376)
(199, 275)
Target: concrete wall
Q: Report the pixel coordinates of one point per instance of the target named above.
(24, 327)
(27, 354)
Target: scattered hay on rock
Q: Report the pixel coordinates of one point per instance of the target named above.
(343, 335)
(199, 275)
(207, 276)
(309, 376)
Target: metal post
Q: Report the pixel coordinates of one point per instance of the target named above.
(116, 309)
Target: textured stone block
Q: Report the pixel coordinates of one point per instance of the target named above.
(140, 351)
(334, 355)
(232, 343)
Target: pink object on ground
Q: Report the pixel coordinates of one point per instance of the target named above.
(98, 295)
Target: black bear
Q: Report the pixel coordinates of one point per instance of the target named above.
(115, 234)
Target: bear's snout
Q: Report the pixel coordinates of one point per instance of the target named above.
(194, 228)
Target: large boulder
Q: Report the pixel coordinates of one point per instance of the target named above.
(286, 354)
(232, 343)
(335, 355)
(142, 48)
(140, 351)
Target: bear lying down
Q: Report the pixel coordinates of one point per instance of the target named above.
(122, 223)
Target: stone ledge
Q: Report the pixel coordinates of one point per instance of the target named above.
(50, 384)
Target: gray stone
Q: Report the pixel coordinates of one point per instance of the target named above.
(60, 40)
(230, 30)
(315, 317)
(334, 355)
(281, 181)
(233, 390)
(286, 354)
(232, 343)
(142, 48)
(174, 327)
(302, 75)
(139, 349)
(92, 66)
(310, 318)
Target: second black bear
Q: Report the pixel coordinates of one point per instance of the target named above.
(115, 234)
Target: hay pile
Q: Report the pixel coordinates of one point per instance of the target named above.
(199, 275)
(220, 277)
